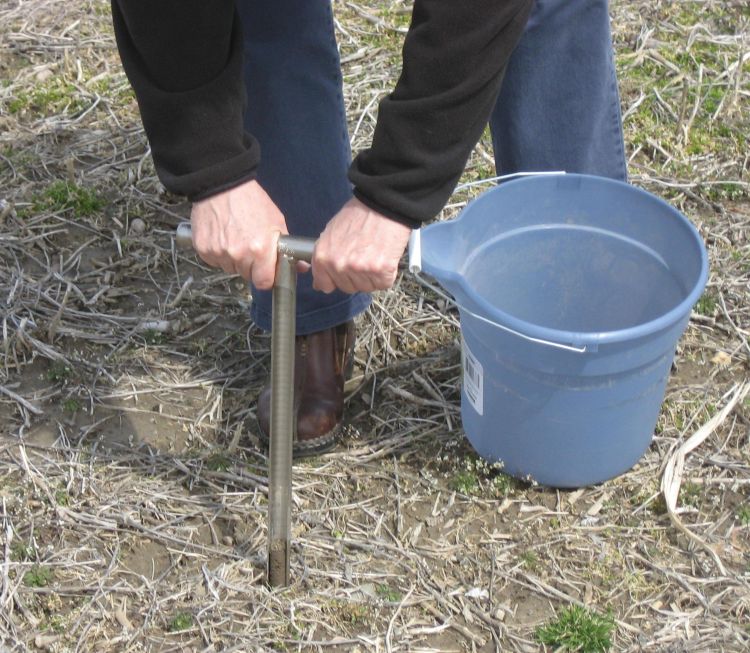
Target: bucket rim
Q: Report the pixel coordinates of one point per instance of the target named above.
(584, 338)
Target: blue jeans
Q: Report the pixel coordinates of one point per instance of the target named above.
(296, 111)
(558, 109)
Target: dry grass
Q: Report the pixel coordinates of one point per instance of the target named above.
(132, 493)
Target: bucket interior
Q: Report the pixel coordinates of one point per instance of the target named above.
(572, 254)
(573, 278)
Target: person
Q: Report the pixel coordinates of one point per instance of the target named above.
(217, 84)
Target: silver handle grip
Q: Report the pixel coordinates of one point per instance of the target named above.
(296, 247)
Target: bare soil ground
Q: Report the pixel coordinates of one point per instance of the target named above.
(133, 494)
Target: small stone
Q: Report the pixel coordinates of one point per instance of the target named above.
(137, 227)
(46, 642)
(6, 209)
(722, 359)
(44, 74)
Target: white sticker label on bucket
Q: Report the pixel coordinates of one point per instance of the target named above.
(473, 378)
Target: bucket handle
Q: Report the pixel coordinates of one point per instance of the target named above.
(540, 341)
(548, 343)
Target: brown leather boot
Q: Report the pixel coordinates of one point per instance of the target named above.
(323, 360)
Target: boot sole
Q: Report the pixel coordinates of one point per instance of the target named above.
(308, 448)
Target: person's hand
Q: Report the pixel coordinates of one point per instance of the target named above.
(238, 231)
(359, 250)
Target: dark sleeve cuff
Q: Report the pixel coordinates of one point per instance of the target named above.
(386, 211)
(204, 183)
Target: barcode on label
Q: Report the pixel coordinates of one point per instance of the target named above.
(473, 378)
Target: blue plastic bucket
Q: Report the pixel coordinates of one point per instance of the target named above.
(573, 292)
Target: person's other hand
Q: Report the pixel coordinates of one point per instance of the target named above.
(359, 250)
(238, 231)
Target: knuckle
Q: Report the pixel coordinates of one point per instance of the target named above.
(354, 262)
(257, 247)
(322, 258)
(359, 265)
(234, 253)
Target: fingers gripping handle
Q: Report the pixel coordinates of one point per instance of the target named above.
(300, 249)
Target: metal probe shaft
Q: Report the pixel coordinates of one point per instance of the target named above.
(291, 249)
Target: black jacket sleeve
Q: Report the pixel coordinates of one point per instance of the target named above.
(184, 61)
(454, 58)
